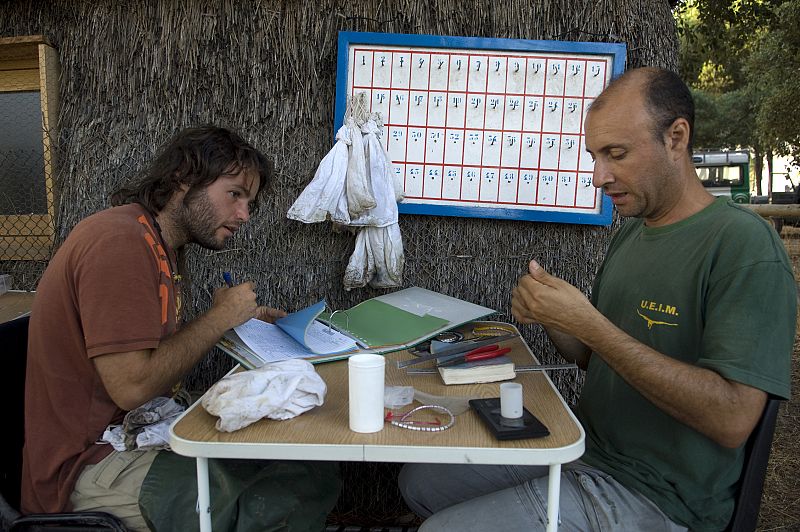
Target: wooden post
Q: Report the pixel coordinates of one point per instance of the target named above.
(775, 211)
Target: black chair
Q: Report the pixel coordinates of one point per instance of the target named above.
(757, 449)
(14, 339)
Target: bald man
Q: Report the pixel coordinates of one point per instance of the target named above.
(678, 365)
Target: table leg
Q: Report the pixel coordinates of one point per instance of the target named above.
(203, 496)
(553, 494)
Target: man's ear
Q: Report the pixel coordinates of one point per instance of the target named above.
(179, 193)
(677, 137)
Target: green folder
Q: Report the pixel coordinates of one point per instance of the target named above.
(376, 324)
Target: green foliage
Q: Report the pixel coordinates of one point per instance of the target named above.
(693, 49)
(724, 120)
(706, 123)
(742, 58)
(720, 32)
(775, 66)
(713, 78)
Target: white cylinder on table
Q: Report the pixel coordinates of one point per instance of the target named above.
(511, 400)
(366, 382)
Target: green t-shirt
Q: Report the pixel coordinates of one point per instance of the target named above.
(715, 290)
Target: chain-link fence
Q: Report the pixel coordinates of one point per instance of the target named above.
(27, 204)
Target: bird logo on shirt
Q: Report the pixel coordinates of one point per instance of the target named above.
(651, 322)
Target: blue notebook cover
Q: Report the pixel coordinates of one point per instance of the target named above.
(316, 337)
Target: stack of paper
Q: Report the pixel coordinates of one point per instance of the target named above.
(478, 371)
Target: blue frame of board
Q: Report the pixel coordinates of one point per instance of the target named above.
(615, 53)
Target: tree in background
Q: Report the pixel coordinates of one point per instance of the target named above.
(734, 55)
(775, 66)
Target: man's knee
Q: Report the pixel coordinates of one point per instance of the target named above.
(407, 478)
(113, 486)
(412, 482)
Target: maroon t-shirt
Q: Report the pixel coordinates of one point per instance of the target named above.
(108, 289)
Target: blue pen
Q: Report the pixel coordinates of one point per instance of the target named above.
(228, 279)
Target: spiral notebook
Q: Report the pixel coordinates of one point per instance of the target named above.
(383, 324)
(298, 335)
(401, 319)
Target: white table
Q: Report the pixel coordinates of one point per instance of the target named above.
(323, 433)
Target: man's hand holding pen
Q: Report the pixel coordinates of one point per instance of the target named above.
(240, 302)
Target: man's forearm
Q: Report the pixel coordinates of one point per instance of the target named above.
(724, 411)
(135, 377)
(569, 347)
(178, 353)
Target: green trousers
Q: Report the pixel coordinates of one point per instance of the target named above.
(246, 495)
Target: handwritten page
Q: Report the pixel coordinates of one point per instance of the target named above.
(270, 342)
(323, 339)
(319, 338)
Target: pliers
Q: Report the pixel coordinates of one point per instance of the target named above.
(481, 353)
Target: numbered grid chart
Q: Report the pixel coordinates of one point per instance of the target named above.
(484, 128)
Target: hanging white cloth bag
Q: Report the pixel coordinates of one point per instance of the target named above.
(386, 245)
(359, 190)
(378, 160)
(361, 266)
(323, 197)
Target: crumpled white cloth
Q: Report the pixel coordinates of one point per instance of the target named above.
(324, 197)
(145, 427)
(115, 436)
(378, 258)
(279, 390)
(358, 188)
(386, 245)
(361, 266)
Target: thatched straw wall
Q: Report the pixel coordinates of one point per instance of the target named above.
(134, 72)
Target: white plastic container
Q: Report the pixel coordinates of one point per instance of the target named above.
(511, 400)
(366, 383)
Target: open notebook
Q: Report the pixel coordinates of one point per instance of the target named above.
(298, 335)
(386, 323)
(404, 318)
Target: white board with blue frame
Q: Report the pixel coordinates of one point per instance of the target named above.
(490, 128)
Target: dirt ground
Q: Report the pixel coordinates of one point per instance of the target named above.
(780, 503)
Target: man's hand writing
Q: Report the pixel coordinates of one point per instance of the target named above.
(235, 305)
(269, 314)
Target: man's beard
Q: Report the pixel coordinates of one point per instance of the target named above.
(199, 221)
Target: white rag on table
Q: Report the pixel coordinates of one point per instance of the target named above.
(279, 390)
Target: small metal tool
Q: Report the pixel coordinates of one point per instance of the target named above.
(517, 369)
(455, 350)
(482, 353)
